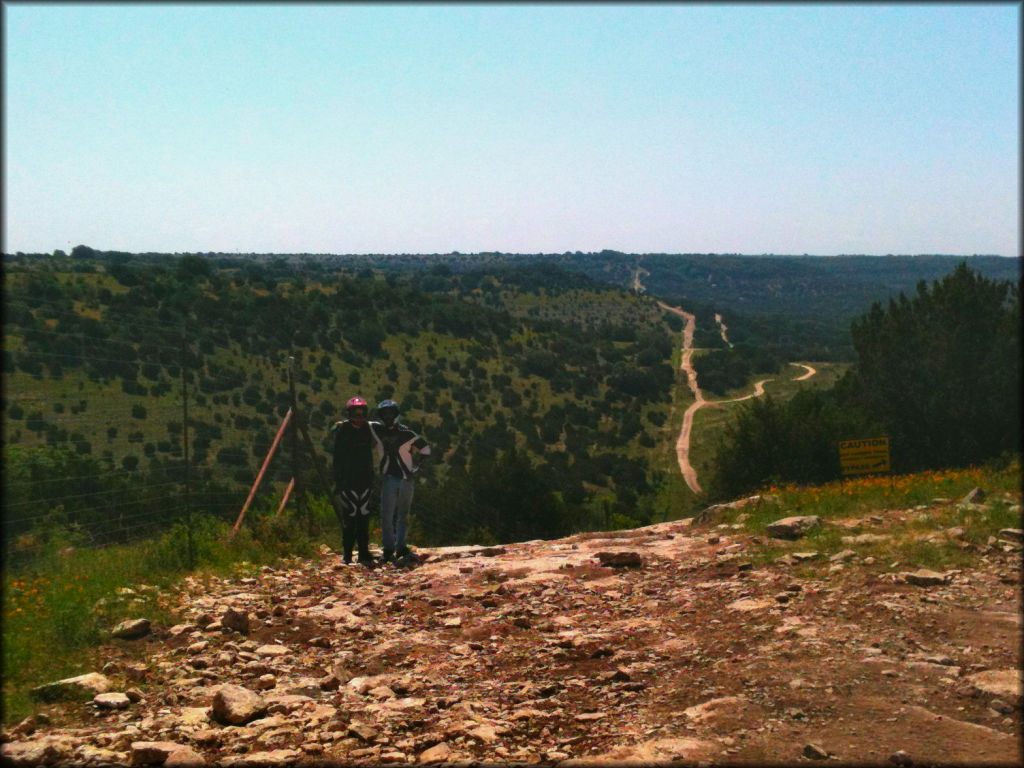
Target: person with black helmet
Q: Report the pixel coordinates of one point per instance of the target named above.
(395, 444)
(353, 478)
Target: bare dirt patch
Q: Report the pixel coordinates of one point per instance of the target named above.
(541, 654)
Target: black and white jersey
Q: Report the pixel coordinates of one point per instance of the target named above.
(394, 448)
(353, 455)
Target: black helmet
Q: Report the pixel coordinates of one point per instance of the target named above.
(387, 410)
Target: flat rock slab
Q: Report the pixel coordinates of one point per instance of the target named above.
(436, 754)
(657, 751)
(620, 559)
(339, 613)
(725, 711)
(925, 578)
(469, 550)
(194, 717)
(130, 629)
(29, 753)
(792, 527)
(112, 701)
(748, 604)
(802, 557)
(1002, 683)
(81, 687)
(184, 758)
(273, 650)
(154, 752)
(270, 757)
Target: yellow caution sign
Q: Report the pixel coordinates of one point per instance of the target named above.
(859, 457)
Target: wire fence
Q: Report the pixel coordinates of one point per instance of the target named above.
(110, 440)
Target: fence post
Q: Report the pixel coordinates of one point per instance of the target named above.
(300, 505)
(184, 442)
(263, 469)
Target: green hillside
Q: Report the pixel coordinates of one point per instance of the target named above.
(484, 365)
(552, 398)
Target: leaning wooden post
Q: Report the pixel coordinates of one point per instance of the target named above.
(259, 477)
(284, 499)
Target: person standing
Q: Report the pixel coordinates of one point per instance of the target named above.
(395, 444)
(353, 478)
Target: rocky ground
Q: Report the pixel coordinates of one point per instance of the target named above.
(660, 643)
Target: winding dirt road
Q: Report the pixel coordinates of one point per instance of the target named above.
(686, 364)
(722, 327)
(810, 371)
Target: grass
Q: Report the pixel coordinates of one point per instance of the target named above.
(920, 507)
(59, 610)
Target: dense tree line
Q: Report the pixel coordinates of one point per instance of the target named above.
(939, 373)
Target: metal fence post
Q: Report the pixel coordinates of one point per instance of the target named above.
(300, 491)
(184, 437)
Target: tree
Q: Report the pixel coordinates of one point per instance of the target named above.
(191, 268)
(83, 252)
(942, 371)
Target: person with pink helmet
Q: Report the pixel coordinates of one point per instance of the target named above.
(353, 479)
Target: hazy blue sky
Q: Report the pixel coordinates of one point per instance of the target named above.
(338, 128)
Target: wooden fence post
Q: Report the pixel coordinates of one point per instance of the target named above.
(259, 477)
(284, 499)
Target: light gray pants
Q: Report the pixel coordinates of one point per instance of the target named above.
(395, 502)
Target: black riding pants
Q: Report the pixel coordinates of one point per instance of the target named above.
(355, 521)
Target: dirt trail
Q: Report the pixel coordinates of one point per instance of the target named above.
(686, 364)
(638, 287)
(758, 391)
(722, 327)
(810, 371)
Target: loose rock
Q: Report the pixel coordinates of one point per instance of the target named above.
(112, 701)
(235, 705)
(436, 754)
(620, 559)
(925, 578)
(814, 752)
(792, 527)
(236, 620)
(130, 629)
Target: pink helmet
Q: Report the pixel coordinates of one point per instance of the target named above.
(355, 402)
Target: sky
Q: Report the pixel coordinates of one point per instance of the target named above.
(520, 128)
